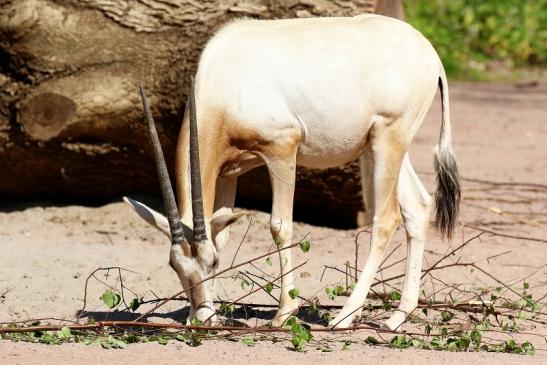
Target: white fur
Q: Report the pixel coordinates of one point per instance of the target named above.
(320, 92)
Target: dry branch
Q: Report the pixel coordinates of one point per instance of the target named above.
(507, 235)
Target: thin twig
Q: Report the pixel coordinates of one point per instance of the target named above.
(242, 240)
(526, 238)
(82, 311)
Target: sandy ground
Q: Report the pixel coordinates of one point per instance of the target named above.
(499, 135)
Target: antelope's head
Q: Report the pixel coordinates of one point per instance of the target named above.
(193, 255)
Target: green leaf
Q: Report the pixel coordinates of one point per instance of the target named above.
(464, 342)
(298, 343)
(301, 334)
(483, 326)
(436, 343)
(527, 348)
(249, 341)
(163, 340)
(294, 293)
(111, 299)
(337, 290)
(290, 322)
(268, 287)
(135, 304)
(182, 337)
(398, 341)
(453, 346)
(245, 283)
(447, 316)
(347, 345)
(476, 337)
(93, 342)
(226, 308)
(112, 342)
(371, 340)
(395, 295)
(305, 246)
(120, 343)
(269, 261)
(132, 339)
(195, 340)
(511, 345)
(64, 333)
(327, 317)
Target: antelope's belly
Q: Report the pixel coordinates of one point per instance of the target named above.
(333, 144)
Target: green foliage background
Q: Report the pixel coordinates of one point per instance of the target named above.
(469, 33)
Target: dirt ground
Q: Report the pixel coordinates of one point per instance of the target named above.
(499, 134)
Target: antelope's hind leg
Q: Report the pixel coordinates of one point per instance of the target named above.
(415, 204)
(388, 149)
(366, 168)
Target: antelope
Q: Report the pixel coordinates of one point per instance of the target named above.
(315, 92)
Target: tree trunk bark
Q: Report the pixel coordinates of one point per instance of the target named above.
(392, 8)
(71, 124)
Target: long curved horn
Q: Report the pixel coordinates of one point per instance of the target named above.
(200, 234)
(171, 211)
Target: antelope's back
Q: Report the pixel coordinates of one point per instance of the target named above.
(317, 73)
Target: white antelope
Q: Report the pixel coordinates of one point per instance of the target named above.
(315, 92)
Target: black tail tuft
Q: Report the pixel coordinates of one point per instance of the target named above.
(448, 194)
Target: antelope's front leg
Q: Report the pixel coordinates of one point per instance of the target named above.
(282, 176)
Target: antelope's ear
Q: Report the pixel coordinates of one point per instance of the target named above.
(225, 220)
(219, 225)
(151, 217)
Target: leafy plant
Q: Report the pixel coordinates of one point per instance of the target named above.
(335, 291)
(226, 308)
(395, 295)
(64, 333)
(268, 287)
(111, 299)
(245, 283)
(469, 33)
(294, 293)
(301, 335)
(446, 316)
(135, 304)
(305, 245)
(251, 342)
